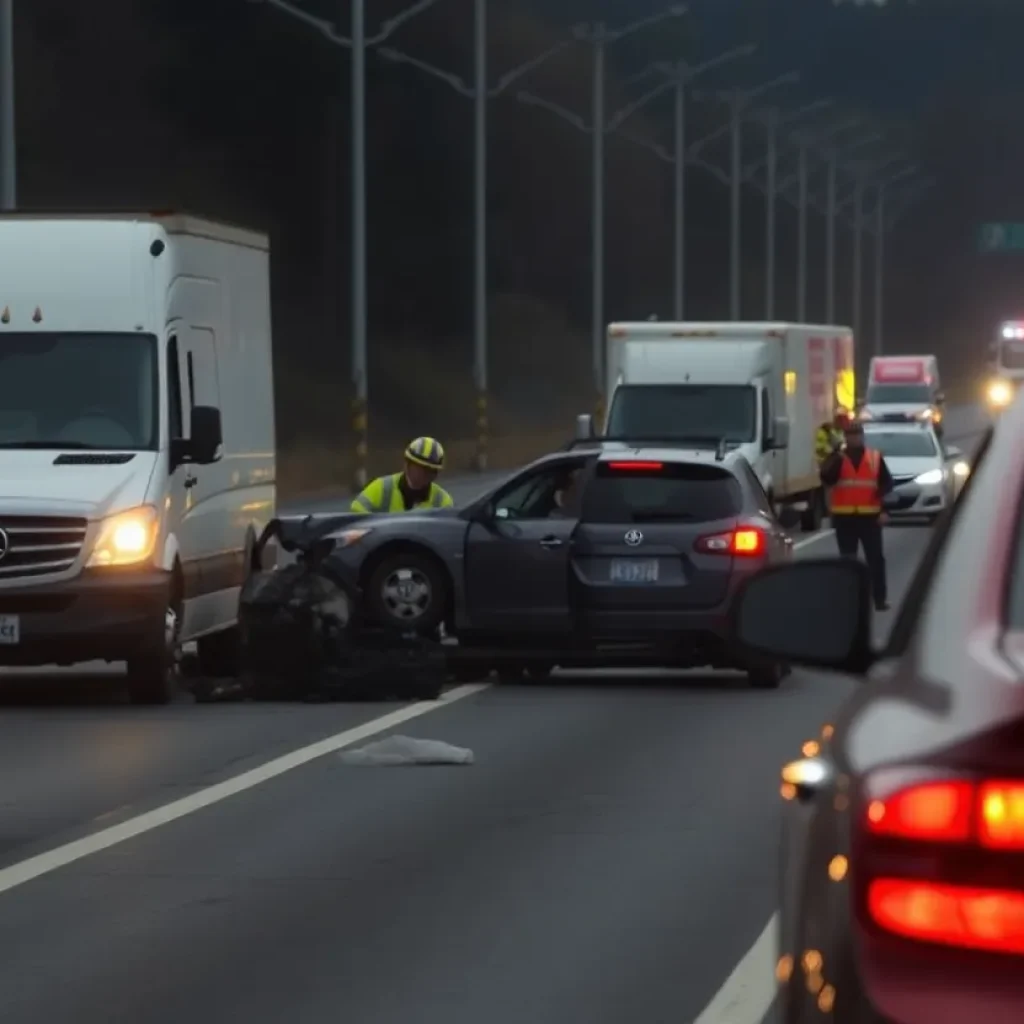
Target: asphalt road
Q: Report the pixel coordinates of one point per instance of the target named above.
(610, 856)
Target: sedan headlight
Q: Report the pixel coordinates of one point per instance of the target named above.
(961, 469)
(932, 476)
(999, 394)
(129, 538)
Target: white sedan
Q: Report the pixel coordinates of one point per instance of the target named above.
(928, 475)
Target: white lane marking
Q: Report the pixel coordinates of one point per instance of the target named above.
(812, 540)
(61, 856)
(749, 991)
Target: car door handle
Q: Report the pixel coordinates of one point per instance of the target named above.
(550, 542)
(191, 481)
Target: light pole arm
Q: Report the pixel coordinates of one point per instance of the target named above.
(618, 119)
(513, 76)
(330, 32)
(393, 24)
(553, 108)
(652, 147)
(714, 136)
(675, 11)
(397, 57)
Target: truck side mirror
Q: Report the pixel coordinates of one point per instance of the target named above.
(780, 439)
(207, 435)
(584, 427)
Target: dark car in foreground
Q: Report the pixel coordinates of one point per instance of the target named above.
(620, 554)
(902, 859)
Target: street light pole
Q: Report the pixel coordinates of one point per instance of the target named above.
(738, 102)
(480, 325)
(599, 37)
(357, 42)
(8, 137)
(360, 355)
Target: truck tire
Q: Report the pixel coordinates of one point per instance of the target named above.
(408, 591)
(153, 673)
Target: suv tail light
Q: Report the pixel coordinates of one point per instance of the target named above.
(743, 542)
(941, 861)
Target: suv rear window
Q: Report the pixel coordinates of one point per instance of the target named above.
(660, 492)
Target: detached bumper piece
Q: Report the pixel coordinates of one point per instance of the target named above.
(303, 638)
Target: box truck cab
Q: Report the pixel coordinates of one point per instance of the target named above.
(904, 389)
(136, 439)
(760, 388)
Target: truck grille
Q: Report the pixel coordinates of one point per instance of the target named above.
(39, 545)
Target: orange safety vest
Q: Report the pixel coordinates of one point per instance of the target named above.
(856, 492)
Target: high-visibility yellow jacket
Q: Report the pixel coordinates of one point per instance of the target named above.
(823, 440)
(384, 495)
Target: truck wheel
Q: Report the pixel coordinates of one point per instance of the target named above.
(153, 675)
(408, 591)
(220, 654)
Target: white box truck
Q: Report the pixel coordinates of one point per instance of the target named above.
(761, 388)
(136, 439)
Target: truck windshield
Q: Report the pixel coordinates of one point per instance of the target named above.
(89, 391)
(899, 394)
(686, 412)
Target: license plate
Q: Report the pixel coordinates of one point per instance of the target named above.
(629, 570)
(10, 629)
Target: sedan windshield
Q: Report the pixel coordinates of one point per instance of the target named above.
(902, 444)
(684, 412)
(91, 391)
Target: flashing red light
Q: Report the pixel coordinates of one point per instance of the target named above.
(636, 467)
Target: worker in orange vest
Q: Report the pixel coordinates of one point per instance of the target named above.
(858, 479)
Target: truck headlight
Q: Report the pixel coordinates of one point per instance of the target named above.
(932, 476)
(999, 393)
(128, 538)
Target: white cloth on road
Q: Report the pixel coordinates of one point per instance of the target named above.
(403, 750)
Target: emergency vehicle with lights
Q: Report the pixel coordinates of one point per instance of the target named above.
(763, 388)
(904, 389)
(136, 439)
(1007, 366)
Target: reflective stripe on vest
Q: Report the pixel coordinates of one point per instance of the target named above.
(856, 491)
(391, 500)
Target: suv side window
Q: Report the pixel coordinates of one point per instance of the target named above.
(533, 495)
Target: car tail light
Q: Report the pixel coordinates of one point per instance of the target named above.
(745, 542)
(941, 861)
(636, 467)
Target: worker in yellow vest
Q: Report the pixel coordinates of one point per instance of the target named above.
(414, 489)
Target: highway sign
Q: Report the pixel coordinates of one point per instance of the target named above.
(1001, 237)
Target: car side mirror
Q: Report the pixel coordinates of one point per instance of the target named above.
(952, 452)
(789, 518)
(815, 613)
(584, 427)
(780, 435)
